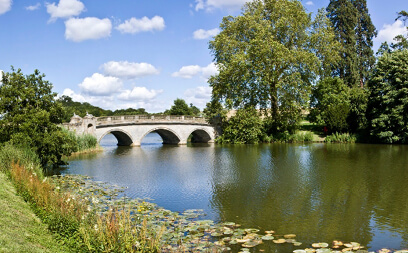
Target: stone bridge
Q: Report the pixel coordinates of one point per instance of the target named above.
(130, 130)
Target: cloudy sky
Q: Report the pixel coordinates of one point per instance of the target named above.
(132, 53)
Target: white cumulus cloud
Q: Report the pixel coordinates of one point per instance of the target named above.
(5, 6)
(80, 29)
(128, 70)
(194, 70)
(65, 9)
(202, 34)
(388, 32)
(209, 5)
(113, 102)
(100, 85)
(144, 24)
(139, 94)
(187, 71)
(198, 96)
(105, 102)
(33, 7)
(209, 70)
(310, 3)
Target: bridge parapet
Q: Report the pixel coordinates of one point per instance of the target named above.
(147, 119)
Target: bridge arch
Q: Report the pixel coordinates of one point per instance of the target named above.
(200, 135)
(123, 137)
(168, 135)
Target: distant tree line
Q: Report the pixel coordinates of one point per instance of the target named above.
(276, 59)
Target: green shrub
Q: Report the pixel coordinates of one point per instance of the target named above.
(245, 127)
(301, 137)
(341, 138)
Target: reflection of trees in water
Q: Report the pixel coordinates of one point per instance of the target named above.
(320, 192)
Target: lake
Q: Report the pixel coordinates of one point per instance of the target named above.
(320, 192)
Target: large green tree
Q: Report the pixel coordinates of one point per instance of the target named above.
(30, 116)
(269, 56)
(365, 33)
(355, 31)
(388, 102)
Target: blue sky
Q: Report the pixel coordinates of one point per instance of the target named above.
(132, 53)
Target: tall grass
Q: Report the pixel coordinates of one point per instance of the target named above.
(301, 136)
(83, 142)
(25, 156)
(69, 217)
(341, 138)
(298, 137)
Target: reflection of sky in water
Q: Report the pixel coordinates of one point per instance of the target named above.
(383, 236)
(319, 192)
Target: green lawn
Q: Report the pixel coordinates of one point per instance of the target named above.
(315, 128)
(20, 229)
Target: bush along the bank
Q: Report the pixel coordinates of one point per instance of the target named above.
(341, 138)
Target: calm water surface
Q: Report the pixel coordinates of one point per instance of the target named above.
(320, 192)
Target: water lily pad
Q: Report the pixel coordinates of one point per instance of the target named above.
(269, 232)
(320, 245)
(323, 250)
(251, 230)
(228, 232)
(216, 234)
(251, 244)
(299, 251)
(289, 236)
(233, 241)
(267, 237)
(230, 224)
(309, 250)
(297, 244)
(279, 241)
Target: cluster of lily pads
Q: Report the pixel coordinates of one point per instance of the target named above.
(341, 247)
(185, 232)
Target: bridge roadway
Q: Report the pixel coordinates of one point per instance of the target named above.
(130, 130)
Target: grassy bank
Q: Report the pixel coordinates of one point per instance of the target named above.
(20, 229)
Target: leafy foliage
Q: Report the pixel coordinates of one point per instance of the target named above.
(71, 107)
(340, 138)
(30, 116)
(244, 127)
(180, 107)
(388, 102)
(268, 58)
(214, 112)
(355, 31)
(331, 104)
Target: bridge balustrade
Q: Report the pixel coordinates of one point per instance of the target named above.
(147, 118)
